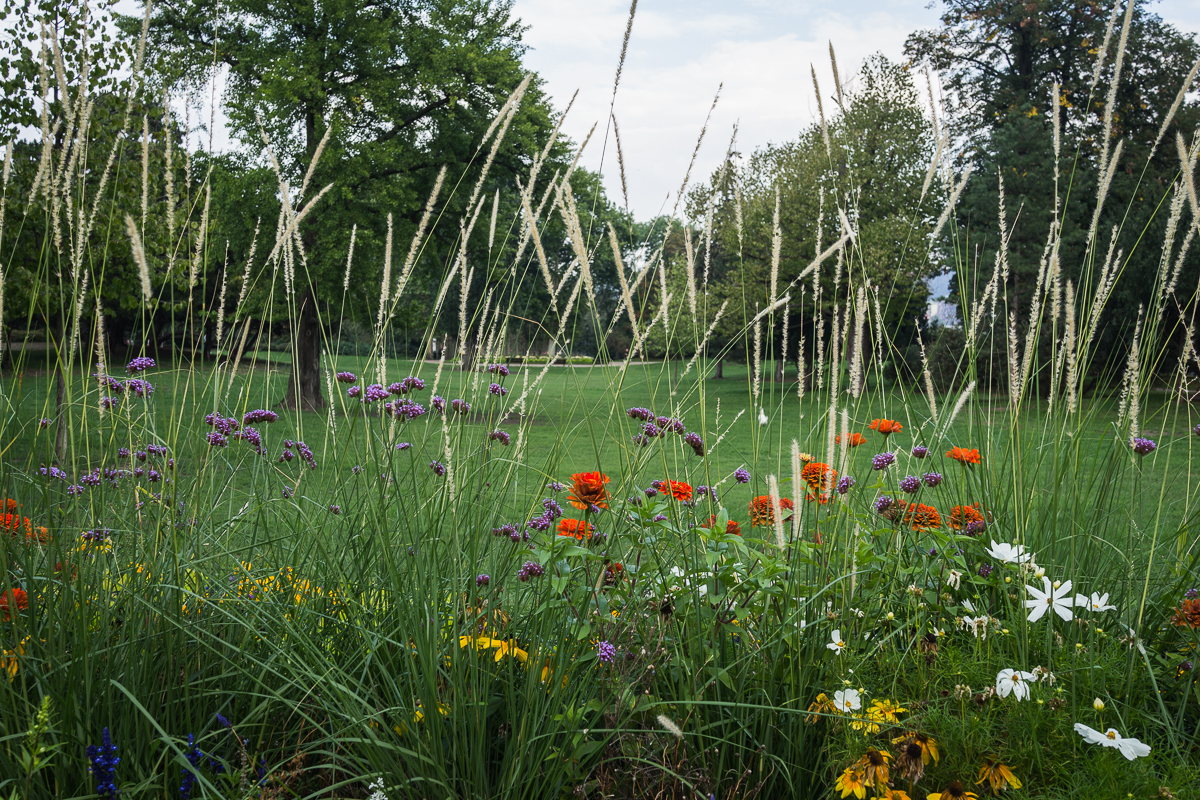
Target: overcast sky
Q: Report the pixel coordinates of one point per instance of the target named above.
(680, 51)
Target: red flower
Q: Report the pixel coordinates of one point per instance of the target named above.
(962, 516)
(13, 598)
(885, 426)
(921, 517)
(614, 573)
(574, 528)
(963, 455)
(761, 512)
(853, 440)
(1187, 615)
(731, 527)
(820, 479)
(588, 490)
(678, 489)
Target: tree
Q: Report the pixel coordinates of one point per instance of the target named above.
(399, 87)
(1000, 62)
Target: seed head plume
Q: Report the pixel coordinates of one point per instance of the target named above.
(926, 377)
(776, 246)
(1183, 90)
(386, 283)
(422, 226)
(951, 202)
(80, 297)
(221, 301)
(1070, 345)
(621, 163)
(624, 49)
(757, 356)
(531, 221)
(626, 297)
(669, 726)
(1102, 191)
(776, 511)
(821, 112)
(1133, 380)
(1187, 163)
(837, 81)
(856, 359)
(139, 256)
(690, 260)
(695, 151)
(958, 407)
(492, 227)
(1111, 101)
(797, 481)
(145, 168)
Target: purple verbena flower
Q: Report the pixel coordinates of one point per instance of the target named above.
(438, 468)
(530, 569)
(354, 391)
(882, 460)
(109, 402)
(335, 509)
(307, 455)
(500, 436)
(403, 445)
(140, 388)
(461, 406)
(1191, 594)
(985, 570)
(507, 529)
(482, 580)
(157, 449)
(659, 518)
(638, 413)
(606, 652)
(741, 475)
(555, 486)
(844, 484)
(215, 439)
(44, 422)
(909, 483)
(287, 492)
(1143, 446)
(497, 389)
(975, 527)
(498, 369)
(883, 503)
(122, 452)
(651, 492)
(437, 403)
(259, 415)
(140, 364)
(346, 377)
(932, 479)
(920, 451)
(375, 392)
(286, 456)
(694, 441)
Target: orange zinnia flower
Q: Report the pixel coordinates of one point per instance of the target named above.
(963, 455)
(574, 528)
(18, 599)
(678, 489)
(962, 516)
(731, 527)
(885, 426)
(588, 490)
(853, 440)
(921, 517)
(1187, 615)
(761, 512)
(820, 478)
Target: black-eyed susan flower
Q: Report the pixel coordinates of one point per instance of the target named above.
(953, 791)
(852, 781)
(821, 705)
(928, 745)
(998, 776)
(874, 765)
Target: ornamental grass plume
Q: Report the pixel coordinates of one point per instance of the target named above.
(587, 490)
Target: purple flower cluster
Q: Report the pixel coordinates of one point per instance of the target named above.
(223, 425)
(335, 509)
(411, 384)
(659, 518)
(109, 382)
(511, 531)
(287, 492)
(932, 479)
(286, 456)
(883, 503)
(606, 652)
(103, 761)
(157, 449)
(438, 403)
(639, 413)
(909, 483)
(671, 424)
(1143, 446)
(97, 535)
(530, 569)
(555, 486)
(976, 527)
(551, 511)
(845, 483)
(90, 478)
(1191, 594)
(649, 431)
(259, 415)
(497, 389)
(140, 364)
(701, 491)
(693, 440)
(251, 437)
(741, 475)
(498, 369)
(53, 472)
(482, 580)
(122, 452)
(920, 451)
(346, 377)
(500, 436)
(375, 392)
(652, 491)
(44, 422)
(1195, 430)
(985, 570)
(305, 453)
(405, 409)
(460, 406)
(354, 391)
(109, 402)
(403, 445)
(882, 460)
(438, 468)
(140, 388)
(215, 439)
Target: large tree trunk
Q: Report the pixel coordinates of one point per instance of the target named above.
(779, 370)
(720, 372)
(304, 385)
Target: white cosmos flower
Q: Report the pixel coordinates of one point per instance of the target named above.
(1128, 746)
(1059, 599)
(1097, 603)
(954, 579)
(1009, 553)
(836, 644)
(847, 700)
(1012, 681)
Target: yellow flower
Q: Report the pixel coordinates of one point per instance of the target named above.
(822, 705)
(419, 714)
(929, 746)
(502, 647)
(851, 781)
(954, 791)
(894, 794)
(874, 765)
(885, 711)
(8, 659)
(998, 775)
(866, 723)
